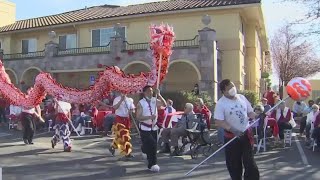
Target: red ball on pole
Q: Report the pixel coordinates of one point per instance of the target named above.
(299, 89)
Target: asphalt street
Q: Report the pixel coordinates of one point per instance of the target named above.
(90, 159)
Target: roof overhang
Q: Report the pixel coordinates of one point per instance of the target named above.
(252, 5)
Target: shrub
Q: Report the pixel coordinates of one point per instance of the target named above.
(181, 98)
(253, 97)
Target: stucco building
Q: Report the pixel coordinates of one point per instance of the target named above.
(233, 45)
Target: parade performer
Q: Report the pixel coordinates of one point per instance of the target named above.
(231, 113)
(123, 107)
(62, 128)
(28, 115)
(147, 115)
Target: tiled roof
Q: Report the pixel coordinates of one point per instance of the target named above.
(109, 11)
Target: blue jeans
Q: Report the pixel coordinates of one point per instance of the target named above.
(221, 135)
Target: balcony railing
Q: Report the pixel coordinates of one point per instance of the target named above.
(29, 55)
(85, 50)
(177, 44)
(136, 46)
(187, 43)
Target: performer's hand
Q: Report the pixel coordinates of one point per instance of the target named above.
(123, 96)
(157, 91)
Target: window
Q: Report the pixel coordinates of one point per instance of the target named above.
(68, 41)
(101, 37)
(29, 45)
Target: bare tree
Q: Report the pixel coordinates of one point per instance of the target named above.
(292, 56)
(312, 16)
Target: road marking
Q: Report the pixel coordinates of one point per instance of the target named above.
(4, 134)
(302, 154)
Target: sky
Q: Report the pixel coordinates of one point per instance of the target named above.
(276, 12)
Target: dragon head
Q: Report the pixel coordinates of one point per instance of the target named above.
(162, 38)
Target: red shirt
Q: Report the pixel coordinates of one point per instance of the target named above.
(270, 97)
(161, 115)
(206, 112)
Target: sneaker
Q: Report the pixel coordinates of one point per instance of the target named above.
(67, 149)
(155, 168)
(112, 150)
(30, 142)
(25, 141)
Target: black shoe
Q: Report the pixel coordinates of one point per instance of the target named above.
(53, 144)
(129, 156)
(30, 142)
(25, 141)
(112, 150)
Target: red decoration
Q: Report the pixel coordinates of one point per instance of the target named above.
(130, 52)
(111, 79)
(22, 82)
(99, 65)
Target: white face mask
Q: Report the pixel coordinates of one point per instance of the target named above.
(232, 92)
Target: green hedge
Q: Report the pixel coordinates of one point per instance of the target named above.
(181, 98)
(253, 97)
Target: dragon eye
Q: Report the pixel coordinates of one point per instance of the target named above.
(158, 31)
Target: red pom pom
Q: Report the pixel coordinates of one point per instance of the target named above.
(99, 65)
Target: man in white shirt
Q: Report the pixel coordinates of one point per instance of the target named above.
(232, 113)
(298, 108)
(147, 115)
(62, 125)
(124, 108)
(28, 115)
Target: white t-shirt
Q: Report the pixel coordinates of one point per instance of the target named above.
(64, 107)
(29, 111)
(123, 111)
(234, 111)
(149, 109)
(15, 110)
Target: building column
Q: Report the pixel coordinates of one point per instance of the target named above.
(51, 50)
(208, 60)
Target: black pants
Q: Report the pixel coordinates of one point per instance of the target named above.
(28, 127)
(303, 124)
(282, 127)
(308, 128)
(149, 146)
(316, 135)
(3, 115)
(240, 152)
